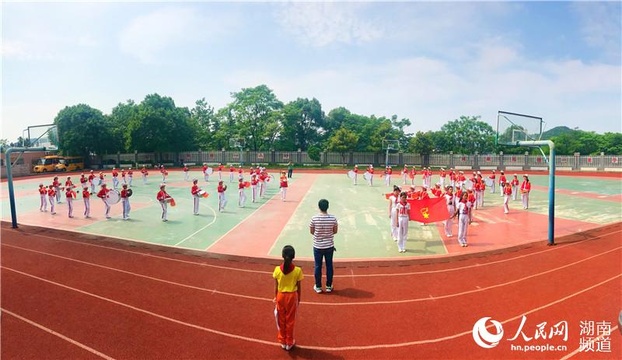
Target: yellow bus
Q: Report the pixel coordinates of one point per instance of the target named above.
(70, 163)
(47, 163)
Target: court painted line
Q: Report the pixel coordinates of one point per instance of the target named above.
(459, 268)
(295, 211)
(243, 220)
(57, 334)
(383, 302)
(201, 229)
(323, 348)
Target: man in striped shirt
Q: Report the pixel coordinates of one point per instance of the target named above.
(323, 227)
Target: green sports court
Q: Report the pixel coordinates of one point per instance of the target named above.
(261, 229)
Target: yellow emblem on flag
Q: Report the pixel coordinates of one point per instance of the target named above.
(425, 212)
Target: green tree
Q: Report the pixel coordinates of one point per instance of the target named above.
(612, 143)
(160, 126)
(469, 135)
(256, 116)
(302, 121)
(82, 131)
(203, 119)
(342, 141)
(121, 116)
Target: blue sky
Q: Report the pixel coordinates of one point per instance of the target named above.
(430, 62)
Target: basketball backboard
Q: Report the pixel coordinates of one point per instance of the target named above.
(41, 136)
(513, 128)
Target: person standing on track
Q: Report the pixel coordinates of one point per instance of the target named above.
(56, 184)
(283, 186)
(144, 174)
(525, 189)
(241, 193)
(186, 173)
(287, 295)
(222, 200)
(254, 183)
(69, 194)
(450, 200)
(356, 174)
(130, 176)
(502, 181)
(323, 227)
(290, 169)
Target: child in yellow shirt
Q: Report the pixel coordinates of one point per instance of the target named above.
(287, 291)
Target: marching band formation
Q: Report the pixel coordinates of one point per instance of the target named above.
(462, 195)
(259, 180)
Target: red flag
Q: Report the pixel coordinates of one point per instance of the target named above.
(428, 210)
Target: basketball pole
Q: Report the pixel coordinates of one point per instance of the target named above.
(9, 177)
(551, 146)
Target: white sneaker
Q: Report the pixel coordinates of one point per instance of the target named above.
(318, 290)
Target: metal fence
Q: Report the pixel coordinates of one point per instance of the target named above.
(575, 162)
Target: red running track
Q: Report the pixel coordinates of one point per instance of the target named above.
(78, 297)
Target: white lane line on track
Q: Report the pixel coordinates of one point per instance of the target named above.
(57, 334)
(383, 302)
(337, 348)
(459, 268)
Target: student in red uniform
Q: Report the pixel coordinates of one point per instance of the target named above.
(103, 194)
(83, 180)
(515, 184)
(231, 172)
(241, 193)
(130, 175)
(164, 198)
(356, 174)
(387, 176)
(492, 177)
(502, 181)
(144, 173)
(393, 200)
(283, 186)
(86, 196)
(115, 178)
(164, 173)
(240, 173)
(507, 193)
(222, 199)
(43, 193)
(370, 170)
(186, 172)
(412, 174)
(69, 194)
(125, 202)
(263, 176)
(462, 211)
(471, 199)
(196, 197)
(442, 176)
(450, 200)
(56, 184)
(254, 182)
(91, 181)
(123, 176)
(525, 188)
(52, 198)
(405, 174)
(402, 209)
(287, 294)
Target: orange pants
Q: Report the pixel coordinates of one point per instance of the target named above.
(285, 313)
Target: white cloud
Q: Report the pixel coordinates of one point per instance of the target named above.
(147, 37)
(601, 25)
(324, 23)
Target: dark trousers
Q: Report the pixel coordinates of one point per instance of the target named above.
(327, 255)
(289, 173)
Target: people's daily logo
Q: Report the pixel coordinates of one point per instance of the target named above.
(485, 338)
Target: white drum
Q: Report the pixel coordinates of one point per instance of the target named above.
(209, 171)
(468, 185)
(351, 174)
(113, 197)
(488, 181)
(367, 176)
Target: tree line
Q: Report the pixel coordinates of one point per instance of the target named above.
(262, 122)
